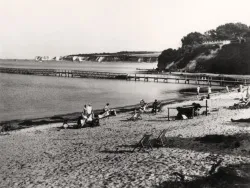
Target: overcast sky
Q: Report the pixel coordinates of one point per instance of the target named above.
(62, 27)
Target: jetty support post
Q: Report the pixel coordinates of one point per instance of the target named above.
(168, 114)
(206, 107)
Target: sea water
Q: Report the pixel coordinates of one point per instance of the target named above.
(31, 96)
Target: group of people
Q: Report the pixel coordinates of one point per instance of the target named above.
(144, 106)
(244, 98)
(244, 102)
(89, 118)
(145, 109)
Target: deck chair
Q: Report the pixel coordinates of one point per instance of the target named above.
(136, 116)
(144, 143)
(161, 137)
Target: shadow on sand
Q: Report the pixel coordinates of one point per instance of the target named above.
(219, 144)
(231, 176)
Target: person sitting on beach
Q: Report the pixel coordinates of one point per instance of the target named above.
(107, 112)
(89, 110)
(144, 108)
(84, 112)
(106, 107)
(89, 113)
(136, 115)
(244, 103)
(142, 102)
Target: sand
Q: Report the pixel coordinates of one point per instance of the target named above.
(45, 156)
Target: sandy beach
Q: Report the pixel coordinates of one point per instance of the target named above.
(45, 156)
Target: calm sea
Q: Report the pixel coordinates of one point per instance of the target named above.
(28, 96)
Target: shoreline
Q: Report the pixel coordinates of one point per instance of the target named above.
(17, 124)
(59, 118)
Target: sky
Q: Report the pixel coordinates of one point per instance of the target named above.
(32, 28)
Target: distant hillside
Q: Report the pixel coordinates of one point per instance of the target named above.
(125, 56)
(223, 50)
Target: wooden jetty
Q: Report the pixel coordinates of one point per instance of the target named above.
(192, 79)
(64, 73)
(182, 79)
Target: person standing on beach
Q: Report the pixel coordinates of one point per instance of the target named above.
(155, 104)
(198, 92)
(209, 91)
(248, 92)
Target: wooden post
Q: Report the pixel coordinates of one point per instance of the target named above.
(168, 114)
(206, 107)
(192, 113)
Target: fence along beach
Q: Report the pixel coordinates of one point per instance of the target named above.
(196, 79)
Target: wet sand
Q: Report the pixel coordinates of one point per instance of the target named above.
(45, 156)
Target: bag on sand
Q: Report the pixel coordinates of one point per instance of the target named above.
(184, 117)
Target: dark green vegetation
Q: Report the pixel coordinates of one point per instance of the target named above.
(197, 56)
